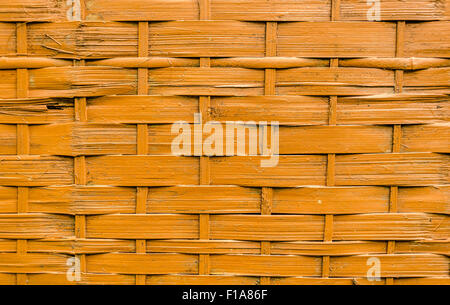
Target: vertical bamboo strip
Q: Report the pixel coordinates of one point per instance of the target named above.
(80, 173)
(269, 89)
(335, 10)
(397, 131)
(142, 136)
(23, 137)
(266, 209)
(205, 174)
(331, 158)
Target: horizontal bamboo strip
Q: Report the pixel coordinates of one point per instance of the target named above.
(131, 263)
(8, 279)
(203, 199)
(80, 246)
(266, 227)
(35, 170)
(291, 110)
(323, 281)
(81, 81)
(8, 245)
(94, 81)
(33, 10)
(82, 138)
(146, 62)
(321, 39)
(82, 40)
(206, 81)
(391, 226)
(35, 226)
(376, 226)
(423, 281)
(141, 170)
(259, 10)
(35, 111)
(8, 139)
(32, 263)
(398, 265)
(411, 63)
(334, 81)
(8, 38)
(142, 226)
(392, 169)
(268, 62)
(148, 109)
(276, 10)
(427, 39)
(370, 169)
(203, 246)
(339, 248)
(428, 77)
(436, 137)
(121, 279)
(393, 109)
(272, 265)
(426, 246)
(395, 10)
(142, 10)
(206, 38)
(334, 139)
(30, 62)
(201, 280)
(72, 81)
(290, 171)
(227, 199)
(330, 200)
(8, 198)
(433, 199)
(292, 140)
(287, 110)
(72, 246)
(85, 278)
(335, 76)
(85, 200)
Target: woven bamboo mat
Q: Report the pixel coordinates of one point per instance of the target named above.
(91, 192)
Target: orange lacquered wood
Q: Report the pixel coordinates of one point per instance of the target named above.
(88, 98)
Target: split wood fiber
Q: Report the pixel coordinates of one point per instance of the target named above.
(88, 95)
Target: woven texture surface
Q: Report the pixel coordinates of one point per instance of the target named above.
(86, 169)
